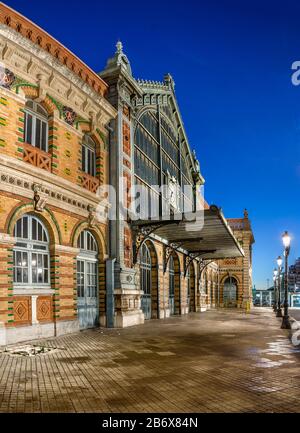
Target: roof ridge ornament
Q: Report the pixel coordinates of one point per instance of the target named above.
(119, 47)
(169, 81)
(119, 60)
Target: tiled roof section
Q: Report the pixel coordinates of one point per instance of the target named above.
(236, 223)
(31, 31)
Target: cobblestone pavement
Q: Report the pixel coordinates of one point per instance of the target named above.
(218, 361)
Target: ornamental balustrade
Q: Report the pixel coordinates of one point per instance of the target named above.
(90, 183)
(37, 157)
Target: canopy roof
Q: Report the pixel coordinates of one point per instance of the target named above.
(205, 233)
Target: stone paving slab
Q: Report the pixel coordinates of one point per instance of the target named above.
(218, 361)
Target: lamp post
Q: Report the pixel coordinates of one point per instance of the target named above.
(275, 273)
(286, 239)
(278, 310)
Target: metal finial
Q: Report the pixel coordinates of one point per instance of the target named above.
(119, 47)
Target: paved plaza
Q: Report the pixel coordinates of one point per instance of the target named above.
(218, 361)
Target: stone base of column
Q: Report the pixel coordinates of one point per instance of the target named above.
(164, 313)
(129, 318)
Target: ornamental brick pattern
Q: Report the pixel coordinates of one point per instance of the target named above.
(6, 284)
(62, 269)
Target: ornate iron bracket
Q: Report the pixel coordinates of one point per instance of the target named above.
(203, 265)
(194, 256)
(140, 235)
(168, 251)
(142, 232)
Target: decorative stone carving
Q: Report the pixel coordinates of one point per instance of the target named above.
(69, 115)
(92, 216)
(7, 78)
(22, 310)
(44, 309)
(40, 198)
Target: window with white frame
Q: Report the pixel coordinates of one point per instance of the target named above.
(31, 258)
(89, 156)
(87, 264)
(36, 125)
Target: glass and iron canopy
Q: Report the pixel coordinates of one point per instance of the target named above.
(204, 234)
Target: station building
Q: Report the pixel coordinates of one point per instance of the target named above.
(163, 266)
(71, 259)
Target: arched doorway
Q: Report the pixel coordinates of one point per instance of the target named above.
(230, 292)
(149, 281)
(188, 288)
(174, 285)
(212, 288)
(191, 289)
(87, 281)
(145, 280)
(171, 286)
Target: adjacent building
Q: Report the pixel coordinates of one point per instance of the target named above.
(236, 273)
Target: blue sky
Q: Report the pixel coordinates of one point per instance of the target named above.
(231, 62)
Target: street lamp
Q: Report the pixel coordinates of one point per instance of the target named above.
(278, 310)
(286, 239)
(275, 273)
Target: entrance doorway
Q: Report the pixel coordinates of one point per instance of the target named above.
(146, 281)
(87, 281)
(230, 292)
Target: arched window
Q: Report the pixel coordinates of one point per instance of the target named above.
(188, 284)
(145, 270)
(89, 156)
(171, 285)
(31, 259)
(230, 291)
(171, 277)
(36, 125)
(87, 280)
(86, 242)
(163, 157)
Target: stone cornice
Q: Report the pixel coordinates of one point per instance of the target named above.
(38, 67)
(39, 37)
(18, 177)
